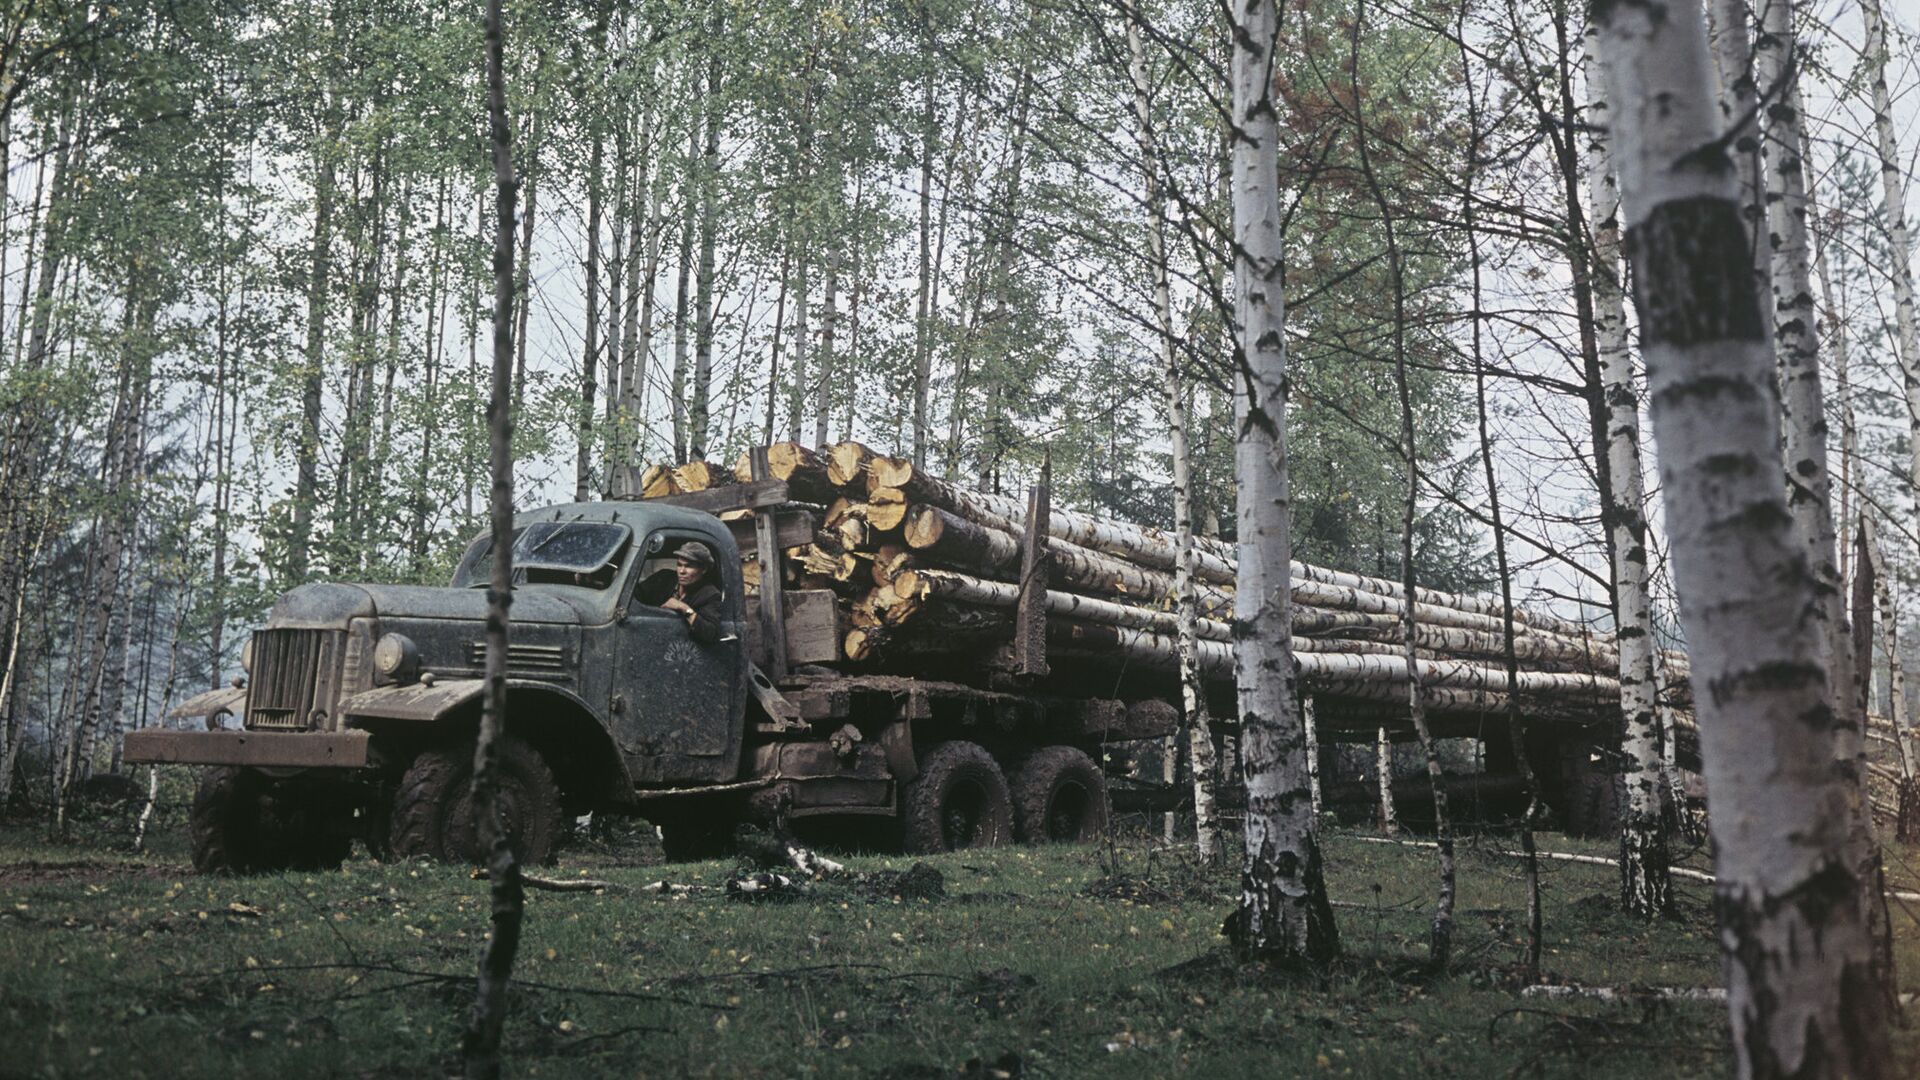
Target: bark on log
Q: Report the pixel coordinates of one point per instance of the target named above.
(941, 536)
(966, 589)
(1214, 560)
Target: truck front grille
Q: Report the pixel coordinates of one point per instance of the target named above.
(286, 672)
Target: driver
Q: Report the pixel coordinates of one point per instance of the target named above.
(694, 596)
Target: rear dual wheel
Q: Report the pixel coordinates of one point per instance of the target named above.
(959, 800)
(1059, 797)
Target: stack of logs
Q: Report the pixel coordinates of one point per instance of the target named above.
(922, 566)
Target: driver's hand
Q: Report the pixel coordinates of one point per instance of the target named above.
(674, 603)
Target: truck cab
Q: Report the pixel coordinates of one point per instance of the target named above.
(361, 702)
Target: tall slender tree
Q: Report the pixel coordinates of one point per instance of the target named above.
(1645, 880)
(1284, 916)
(1794, 937)
(481, 1046)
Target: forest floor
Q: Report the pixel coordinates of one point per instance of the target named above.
(1048, 962)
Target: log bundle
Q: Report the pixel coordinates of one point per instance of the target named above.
(924, 568)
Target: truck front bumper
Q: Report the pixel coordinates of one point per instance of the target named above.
(287, 750)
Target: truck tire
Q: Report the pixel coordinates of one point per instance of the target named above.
(959, 800)
(1059, 797)
(433, 810)
(242, 824)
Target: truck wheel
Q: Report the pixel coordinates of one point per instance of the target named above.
(433, 811)
(1059, 797)
(959, 800)
(243, 824)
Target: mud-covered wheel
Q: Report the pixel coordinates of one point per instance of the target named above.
(1059, 797)
(242, 823)
(433, 810)
(696, 839)
(959, 800)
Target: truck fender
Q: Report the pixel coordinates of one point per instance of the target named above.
(415, 701)
(556, 721)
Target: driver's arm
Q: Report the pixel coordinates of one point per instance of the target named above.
(704, 622)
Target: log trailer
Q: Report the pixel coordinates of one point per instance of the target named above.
(360, 707)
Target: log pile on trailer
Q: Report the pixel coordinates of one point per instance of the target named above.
(924, 573)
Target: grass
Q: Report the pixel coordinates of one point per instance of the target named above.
(1060, 961)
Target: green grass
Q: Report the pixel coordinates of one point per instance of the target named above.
(1081, 962)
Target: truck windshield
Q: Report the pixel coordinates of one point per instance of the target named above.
(582, 553)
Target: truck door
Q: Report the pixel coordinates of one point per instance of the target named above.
(674, 697)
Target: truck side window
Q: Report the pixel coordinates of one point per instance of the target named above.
(656, 577)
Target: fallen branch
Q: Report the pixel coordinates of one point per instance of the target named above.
(1591, 860)
(533, 881)
(1644, 993)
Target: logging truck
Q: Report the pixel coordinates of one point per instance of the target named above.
(359, 709)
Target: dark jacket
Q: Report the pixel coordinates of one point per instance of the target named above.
(707, 613)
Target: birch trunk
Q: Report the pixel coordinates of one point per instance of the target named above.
(481, 1046)
(1834, 316)
(529, 183)
(1794, 937)
(590, 349)
(1645, 885)
(697, 413)
(1893, 202)
(1809, 485)
(1730, 33)
(1284, 916)
(642, 280)
(823, 365)
(922, 324)
(1193, 707)
(683, 296)
(1388, 822)
(307, 452)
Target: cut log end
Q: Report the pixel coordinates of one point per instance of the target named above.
(888, 472)
(656, 481)
(886, 508)
(847, 463)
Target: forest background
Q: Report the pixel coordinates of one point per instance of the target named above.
(244, 286)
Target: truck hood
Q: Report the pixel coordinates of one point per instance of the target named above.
(332, 606)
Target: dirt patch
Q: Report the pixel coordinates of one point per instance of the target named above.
(17, 875)
(916, 882)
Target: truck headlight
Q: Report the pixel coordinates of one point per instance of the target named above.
(396, 658)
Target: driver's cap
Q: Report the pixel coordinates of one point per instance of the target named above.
(695, 554)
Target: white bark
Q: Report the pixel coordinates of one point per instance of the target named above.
(1193, 707)
(1893, 196)
(1645, 887)
(1888, 612)
(1794, 939)
(1311, 724)
(1283, 915)
(1383, 775)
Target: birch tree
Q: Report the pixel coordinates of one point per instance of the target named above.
(1284, 916)
(1893, 201)
(1793, 934)
(1645, 884)
(481, 1046)
(1193, 705)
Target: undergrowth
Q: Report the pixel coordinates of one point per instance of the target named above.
(1054, 962)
